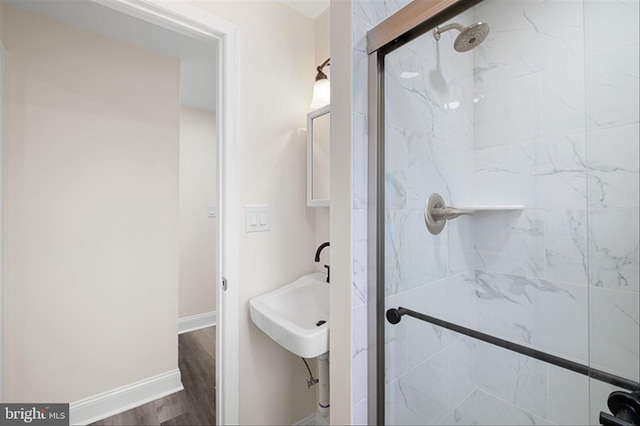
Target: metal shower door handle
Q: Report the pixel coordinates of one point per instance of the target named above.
(436, 213)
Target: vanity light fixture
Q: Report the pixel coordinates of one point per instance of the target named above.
(321, 90)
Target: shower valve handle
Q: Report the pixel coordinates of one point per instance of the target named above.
(436, 213)
(449, 212)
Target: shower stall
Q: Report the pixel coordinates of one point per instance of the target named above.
(503, 212)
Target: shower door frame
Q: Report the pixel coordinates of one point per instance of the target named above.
(411, 22)
(408, 23)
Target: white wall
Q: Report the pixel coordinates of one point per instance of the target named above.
(276, 76)
(341, 212)
(322, 27)
(197, 230)
(91, 222)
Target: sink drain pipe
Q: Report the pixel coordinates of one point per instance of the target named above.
(323, 385)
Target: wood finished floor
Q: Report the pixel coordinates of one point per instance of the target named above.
(196, 404)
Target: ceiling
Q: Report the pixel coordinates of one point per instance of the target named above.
(198, 59)
(311, 8)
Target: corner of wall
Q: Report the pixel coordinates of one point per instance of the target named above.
(341, 211)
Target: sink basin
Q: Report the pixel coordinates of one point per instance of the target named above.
(290, 315)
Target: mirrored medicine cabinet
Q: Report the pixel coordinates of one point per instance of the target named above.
(318, 153)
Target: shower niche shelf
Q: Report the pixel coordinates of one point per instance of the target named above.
(436, 211)
(492, 208)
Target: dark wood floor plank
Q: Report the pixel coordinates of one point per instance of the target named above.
(182, 420)
(197, 365)
(144, 415)
(172, 406)
(196, 404)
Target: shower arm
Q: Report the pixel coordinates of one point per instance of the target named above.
(439, 30)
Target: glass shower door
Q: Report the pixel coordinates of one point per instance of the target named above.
(533, 132)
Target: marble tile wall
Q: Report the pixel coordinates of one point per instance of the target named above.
(429, 148)
(562, 275)
(613, 178)
(366, 15)
(543, 114)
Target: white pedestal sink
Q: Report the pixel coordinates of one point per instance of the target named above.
(296, 315)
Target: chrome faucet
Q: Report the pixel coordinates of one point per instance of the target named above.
(317, 259)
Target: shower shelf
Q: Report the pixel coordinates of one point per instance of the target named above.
(436, 212)
(490, 208)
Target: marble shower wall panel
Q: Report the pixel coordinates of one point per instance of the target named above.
(610, 23)
(433, 388)
(568, 397)
(612, 111)
(512, 377)
(563, 98)
(508, 112)
(510, 242)
(614, 248)
(530, 391)
(360, 152)
(615, 319)
(561, 172)
(413, 257)
(429, 133)
(428, 148)
(598, 394)
(614, 178)
(418, 397)
(360, 291)
(548, 174)
(505, 175)
(417, 166)
(544, 113)
(482, 408)
(451, 299)
(566, 245)
(460, 244)
(359, 361)
(366, 15)
(396, 342)
(612, 78)
(526, 37)
(549, 316)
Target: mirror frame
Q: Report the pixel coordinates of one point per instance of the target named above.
(311, 202)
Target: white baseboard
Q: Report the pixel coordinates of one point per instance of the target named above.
(196, 322)
(124, 398)
(314, 419)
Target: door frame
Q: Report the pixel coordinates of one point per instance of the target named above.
(199, 24)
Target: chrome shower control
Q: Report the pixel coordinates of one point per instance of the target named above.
(436, 213)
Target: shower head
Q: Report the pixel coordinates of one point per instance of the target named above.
(468, 38)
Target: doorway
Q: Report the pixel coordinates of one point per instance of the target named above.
(194, 23)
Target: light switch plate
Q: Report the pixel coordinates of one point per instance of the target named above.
(211, 211)
(256, 218)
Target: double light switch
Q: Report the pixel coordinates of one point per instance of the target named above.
(256, 218)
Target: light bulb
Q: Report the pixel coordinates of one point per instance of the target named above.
(321, 93)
